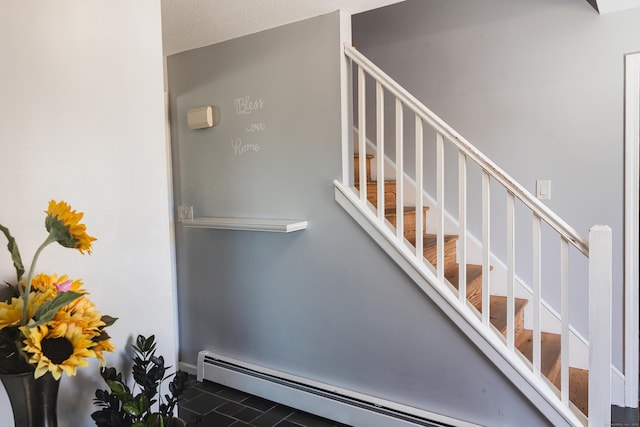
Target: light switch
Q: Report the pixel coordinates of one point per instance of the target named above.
(543, 189)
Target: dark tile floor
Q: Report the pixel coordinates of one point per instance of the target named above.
(209, 404)
(624, 417)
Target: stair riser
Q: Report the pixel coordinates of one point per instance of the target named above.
(474, 292)
(389, 193)
(499, 318)
(550, 345)
(372, 186)
(356, 168)
(409, 223)
(431, 254)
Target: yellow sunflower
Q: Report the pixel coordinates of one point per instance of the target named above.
(83, 313)
(102, 346)
(44, 282)
(37, 299)
(10, 312)
(64, 225)
(57, 349)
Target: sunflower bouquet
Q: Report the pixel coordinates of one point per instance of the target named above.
(47, 323)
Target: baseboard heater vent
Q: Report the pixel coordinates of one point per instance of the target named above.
(344, 406)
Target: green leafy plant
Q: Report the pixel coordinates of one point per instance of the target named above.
(120, 407)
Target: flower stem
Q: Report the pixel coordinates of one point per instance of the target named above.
(27, 290)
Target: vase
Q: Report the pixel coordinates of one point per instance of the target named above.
(33, 401)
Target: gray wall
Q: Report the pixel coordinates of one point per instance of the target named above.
(325, 303)
(538, 87)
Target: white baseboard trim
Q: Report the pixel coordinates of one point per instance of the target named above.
(617, 382)
(344, 406)
(189, 368)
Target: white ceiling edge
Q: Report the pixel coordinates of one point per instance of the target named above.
(609, 6)
(189, 24)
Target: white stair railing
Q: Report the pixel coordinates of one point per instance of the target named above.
(598, 249)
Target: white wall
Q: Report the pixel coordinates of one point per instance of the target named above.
(82, 120)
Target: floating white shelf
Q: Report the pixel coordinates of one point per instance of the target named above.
(249, 224)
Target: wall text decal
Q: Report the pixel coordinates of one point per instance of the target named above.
(239, 148)
(256, 127)
(246, 105)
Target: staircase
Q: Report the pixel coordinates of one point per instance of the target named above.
(550, 368)
(454, 268)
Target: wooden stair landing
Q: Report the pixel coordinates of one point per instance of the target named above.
(523, 338)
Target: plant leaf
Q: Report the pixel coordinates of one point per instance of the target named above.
(15, 253)
(118, 388)
(131, 408)
(143, 403)
(49, 309)
(103, 336)
(108, 320)
(155, 420)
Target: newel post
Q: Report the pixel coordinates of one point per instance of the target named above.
(600, 282)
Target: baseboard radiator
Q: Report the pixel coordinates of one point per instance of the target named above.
(344, 406)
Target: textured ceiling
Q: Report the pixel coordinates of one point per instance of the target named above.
(188, 24)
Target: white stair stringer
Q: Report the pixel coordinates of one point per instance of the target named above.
(515, 367)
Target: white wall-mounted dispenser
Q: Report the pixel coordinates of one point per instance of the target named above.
(203, 117)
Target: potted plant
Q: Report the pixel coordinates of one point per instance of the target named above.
(120, 407)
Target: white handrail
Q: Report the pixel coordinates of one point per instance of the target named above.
(487, 165)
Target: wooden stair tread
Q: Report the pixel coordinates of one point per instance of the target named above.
(550, 351)
(410, 220)
(371, 183)
(430, 249)
(497, 304)
(498, 313)
(372, 192)
(474, 277)
(406, 209)
(429, 241)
